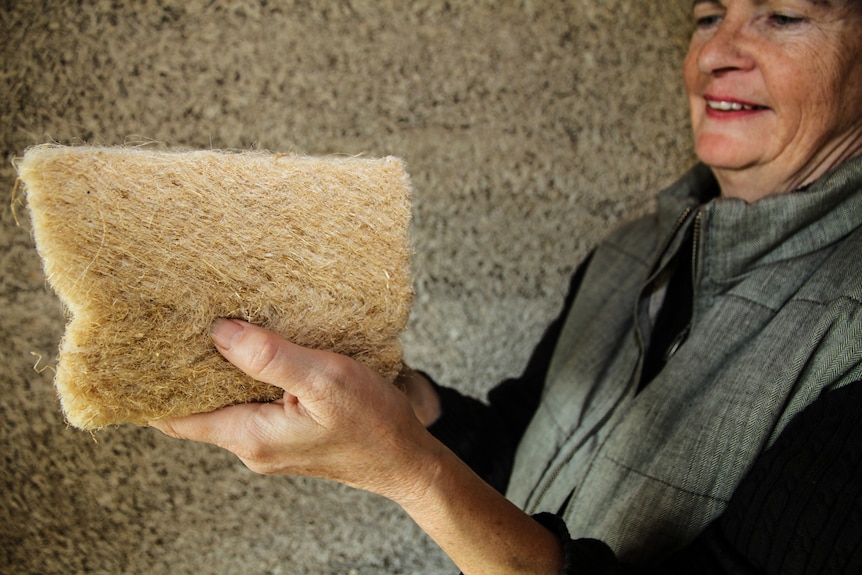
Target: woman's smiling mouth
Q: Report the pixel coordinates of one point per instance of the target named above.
(722, 105)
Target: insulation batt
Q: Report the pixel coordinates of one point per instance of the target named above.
(145, 248)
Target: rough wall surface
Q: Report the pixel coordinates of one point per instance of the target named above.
(530, 129)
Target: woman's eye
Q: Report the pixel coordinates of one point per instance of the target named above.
(783, 20)
(707, 21)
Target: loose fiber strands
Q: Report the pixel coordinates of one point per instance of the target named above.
(146, 248)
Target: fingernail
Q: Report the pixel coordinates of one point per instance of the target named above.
(225, 332)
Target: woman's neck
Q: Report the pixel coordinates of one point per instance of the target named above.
(755, 183)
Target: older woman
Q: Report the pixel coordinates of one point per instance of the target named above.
(694, 405)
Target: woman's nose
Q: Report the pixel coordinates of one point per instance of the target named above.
(725, 50)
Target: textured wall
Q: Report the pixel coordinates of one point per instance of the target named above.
(530, 130)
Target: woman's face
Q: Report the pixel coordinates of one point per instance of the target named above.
(775, 91)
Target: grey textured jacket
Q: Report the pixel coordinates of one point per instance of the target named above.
(776, 320)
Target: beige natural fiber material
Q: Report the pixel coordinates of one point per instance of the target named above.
(147, 248)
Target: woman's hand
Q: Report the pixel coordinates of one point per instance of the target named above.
(337, 420)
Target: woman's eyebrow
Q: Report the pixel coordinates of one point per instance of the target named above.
(720, 3)
(695, 3)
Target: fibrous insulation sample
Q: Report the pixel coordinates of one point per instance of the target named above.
(147, 248)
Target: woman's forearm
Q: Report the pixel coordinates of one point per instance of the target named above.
(478, 528)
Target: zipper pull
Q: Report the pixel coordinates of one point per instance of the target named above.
(676, 343)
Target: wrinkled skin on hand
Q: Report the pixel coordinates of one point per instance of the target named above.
(337, 420)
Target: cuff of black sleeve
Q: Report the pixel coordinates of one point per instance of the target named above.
(582, 556)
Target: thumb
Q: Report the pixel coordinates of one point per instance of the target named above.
(264, 355)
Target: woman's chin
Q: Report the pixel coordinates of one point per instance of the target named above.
(721, 152)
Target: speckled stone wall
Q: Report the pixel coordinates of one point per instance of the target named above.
(530, 130)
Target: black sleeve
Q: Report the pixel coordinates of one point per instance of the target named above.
(485, 435)
(797, 512)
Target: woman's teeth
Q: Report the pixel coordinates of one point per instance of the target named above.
(729, 106)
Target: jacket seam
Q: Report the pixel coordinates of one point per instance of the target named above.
(665, 482)
(816, 302)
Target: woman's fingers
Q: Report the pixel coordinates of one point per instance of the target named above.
(269, 438)
(221, 427)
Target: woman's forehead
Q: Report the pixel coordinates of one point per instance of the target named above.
(844, 8)
(825, 3)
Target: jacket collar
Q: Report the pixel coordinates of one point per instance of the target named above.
(735, 237)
